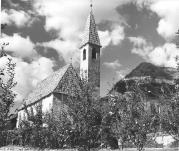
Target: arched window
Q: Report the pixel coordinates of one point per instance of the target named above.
(84, 54)
(94, 54)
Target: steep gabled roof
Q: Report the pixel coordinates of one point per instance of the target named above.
(47, 86)
(90, 33)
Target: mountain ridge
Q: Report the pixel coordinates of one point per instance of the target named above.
(148, 69)
(154, 79)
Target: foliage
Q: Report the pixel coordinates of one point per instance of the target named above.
(140, 120)
(85, 115)
(78, 126)
(58, 130)
(129, 119)
(44, 130)
(7, 95)
(170, 115)
(170, 112)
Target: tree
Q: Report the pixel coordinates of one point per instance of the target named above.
(170, 112)
(111, 130)
(170, 115)
(75, 126)
(85, 116)
(7, 95)
(130, 120)
(57, 131)
(44, 130)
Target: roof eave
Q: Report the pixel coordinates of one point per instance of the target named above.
(90, 44)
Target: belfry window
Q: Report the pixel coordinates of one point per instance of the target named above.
(94, 54)
(84, 54)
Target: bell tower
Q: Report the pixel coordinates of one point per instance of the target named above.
(90, 52)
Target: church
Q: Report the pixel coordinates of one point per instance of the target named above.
(52, 91)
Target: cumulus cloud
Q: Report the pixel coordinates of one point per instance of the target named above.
(66, 49)
(58, 17)
(137, 41)
(105, 38)
(114, 37)
(113, 65)
(18, 18)
(70, 24)
(27, 75)
(140, 46)
(168, 11)
(163, 55)
(20, 47)
(121, 74)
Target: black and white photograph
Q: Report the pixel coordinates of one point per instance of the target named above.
(89, 75)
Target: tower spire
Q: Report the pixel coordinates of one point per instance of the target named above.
(90, 34)
(90, 50)
(91, 4)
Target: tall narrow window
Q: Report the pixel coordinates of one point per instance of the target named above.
(84, 54)
(94, 54)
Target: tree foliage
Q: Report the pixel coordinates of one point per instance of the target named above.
(78, 126)
(170, 114)
(85, 115)
(7, 95)
(44, 130)
(129, 119)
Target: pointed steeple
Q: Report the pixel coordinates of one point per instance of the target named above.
(90, 34)
(90, 53)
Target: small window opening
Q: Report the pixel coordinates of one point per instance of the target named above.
(94, 53)
(84, 54)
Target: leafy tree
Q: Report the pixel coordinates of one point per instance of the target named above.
(85, 115)
(130, 120)
(111, 121)
(140, 121)
(7, 95)
(170, 115)
(58, 129)
(44, 130)
(170, 111)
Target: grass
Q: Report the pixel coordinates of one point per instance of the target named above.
(17, 148)
(146, 149)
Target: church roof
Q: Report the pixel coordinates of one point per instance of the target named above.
(47, 86)
(90, 33)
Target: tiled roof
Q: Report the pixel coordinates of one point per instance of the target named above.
(90, 33)
(46, 86)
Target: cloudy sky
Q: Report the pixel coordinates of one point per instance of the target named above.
(44, 34)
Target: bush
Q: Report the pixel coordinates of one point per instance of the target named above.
(9, 137)
(49, 130)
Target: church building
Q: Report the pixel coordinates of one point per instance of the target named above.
(52, 91)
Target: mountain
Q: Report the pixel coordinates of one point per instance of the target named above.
(155, 79)
(148, 69)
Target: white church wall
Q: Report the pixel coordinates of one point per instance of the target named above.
(22, 114)
(47, 103)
